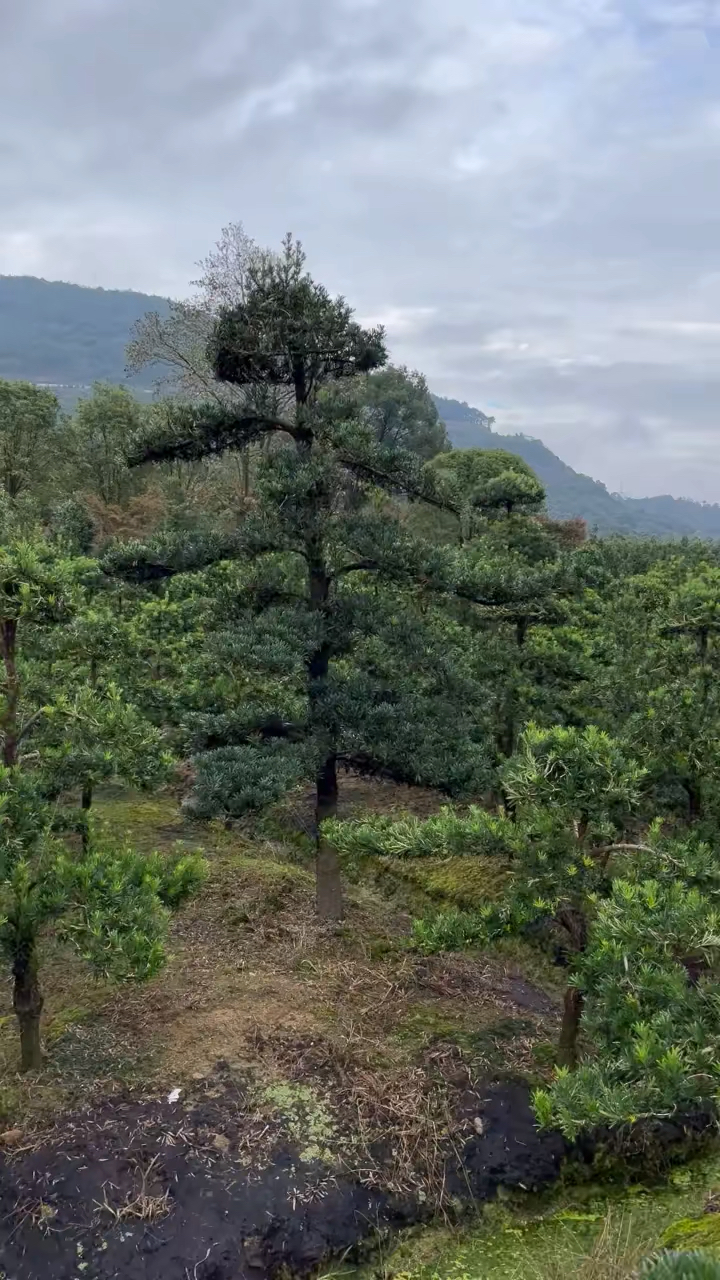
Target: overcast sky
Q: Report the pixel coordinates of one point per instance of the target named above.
(526, 192)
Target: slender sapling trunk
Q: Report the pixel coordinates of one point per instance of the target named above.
(9, 724)
(329, 894)
(28, 1005)
(570, 1028)
(85, 805)
(572, 919)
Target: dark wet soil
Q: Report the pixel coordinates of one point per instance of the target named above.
(71, 1208)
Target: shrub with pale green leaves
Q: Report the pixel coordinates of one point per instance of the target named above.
(446, 834)
(649, 977)
(682, 1266)
(109, 902)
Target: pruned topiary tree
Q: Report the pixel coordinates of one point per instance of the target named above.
(573, 790)
(334, 612)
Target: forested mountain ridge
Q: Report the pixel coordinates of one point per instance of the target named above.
(570, 494)
(62, 333)
(71, 336)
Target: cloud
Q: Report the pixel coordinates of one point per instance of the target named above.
(525, 190)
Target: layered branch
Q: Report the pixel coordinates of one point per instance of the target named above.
(394, 470)
(166, 557)
(189, 432)
(217, 731)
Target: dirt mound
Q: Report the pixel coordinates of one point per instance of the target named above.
(163, 1191)
(509, 1151)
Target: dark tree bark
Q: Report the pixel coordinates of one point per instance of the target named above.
(86, 804)
(9, 724)
(28, 1005)
(328, 884)
(329, 896)
(575, 922)
(86, 798)
(570, 1029)
(694, 795)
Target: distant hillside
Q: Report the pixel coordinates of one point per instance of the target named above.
(71, 336)
(572, 494)
(64, 333)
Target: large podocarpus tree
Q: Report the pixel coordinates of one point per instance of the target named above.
(326, 534)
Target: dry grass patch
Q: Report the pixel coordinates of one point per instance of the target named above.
(147, 1202)
(248, 960)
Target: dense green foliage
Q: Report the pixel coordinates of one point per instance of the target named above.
(609, 841)
(63, 727)
(571, 494)
(73, 337)
(280, 573)
(682, 1266)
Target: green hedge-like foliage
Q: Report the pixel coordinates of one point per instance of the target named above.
(682, 1266)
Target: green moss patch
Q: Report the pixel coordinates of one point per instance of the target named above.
(306, 1119)
(694, 1233)
(463, 882)
(152, 822)
(589, 1233)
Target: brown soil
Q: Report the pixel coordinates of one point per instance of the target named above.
(164, 1191)
(353, 1092)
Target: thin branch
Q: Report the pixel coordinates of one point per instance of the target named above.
(415, 491)
(361, 565)
(606, 852)
(631, 848)
(30, 724)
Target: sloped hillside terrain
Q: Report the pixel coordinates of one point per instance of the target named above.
(71, 336)
(284, 1090)
(570, 494)
(66, 334)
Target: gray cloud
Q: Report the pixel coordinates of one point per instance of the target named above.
(526, 191)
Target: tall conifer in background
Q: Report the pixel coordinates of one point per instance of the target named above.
(333, 612)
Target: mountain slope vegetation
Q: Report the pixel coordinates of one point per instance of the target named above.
(358, 824)
(64, 333)
(571, 494)
(72, 336)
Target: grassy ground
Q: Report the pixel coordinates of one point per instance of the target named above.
(585, 1233)
(342, 1030)
(252, 980)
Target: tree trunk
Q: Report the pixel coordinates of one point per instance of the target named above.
(8, 641)
(572, 919)
(85, 805)
(507, 732)
(570, 1029)
(694, 795)
(328, 884)
(28, 1004)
